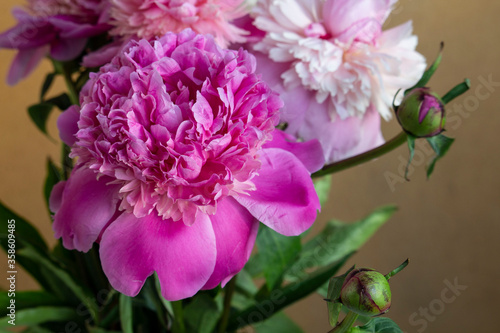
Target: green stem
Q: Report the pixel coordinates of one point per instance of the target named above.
(346, 324)
(362, 158)
(178, 326)
(228, 296)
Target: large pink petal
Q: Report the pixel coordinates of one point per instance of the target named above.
(182, 256)
(362, 19)
(24, 63)
(86, 207)
(343, 138)
(235, 232)
(285, 199)
(67, 123)
(309, 153)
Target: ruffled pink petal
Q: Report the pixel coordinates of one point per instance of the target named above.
(284, 199)
(235, 232)
(182, 256)
(86, 207)
(24, 63)
(309, 153)
(67, 123)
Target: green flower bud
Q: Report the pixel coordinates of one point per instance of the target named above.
(366, 292)
(421, 113)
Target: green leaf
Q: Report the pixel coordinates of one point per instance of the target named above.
(279, 323)
(456, 91)
(378, 325)
(336, 241)
(166, 304)
(411, 146)
(62, 101)
(53, 177)
(25, 233)
(27, 299)
(78, 289)
(254, 265)
(277, 253)
(126, 314)
(334, 289)
(49, 79)
(429, 72)
(245, 284)
(202, 314)
(322, 186)
(282, 297)
(440, 144)
(37, 329)
(39, 114)
(40, 315)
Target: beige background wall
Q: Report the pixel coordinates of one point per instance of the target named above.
(448, 226)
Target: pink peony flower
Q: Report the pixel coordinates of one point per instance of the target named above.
(178, 160)
(335, 68)
(148, 19)
(59, 28)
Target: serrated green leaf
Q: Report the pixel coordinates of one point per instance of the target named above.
(39, 114)
(322, 186)
(285, 296)
(277, 253)
(429, 72)
(440, 144)
(78, 289)
(202, 314)
(334, 289)
(336, 241)
(52, 178)
(40, 315)
(126, 314)
(49, 79)
(411, 146)
(27, 299)
(279, 323)
(378, 325)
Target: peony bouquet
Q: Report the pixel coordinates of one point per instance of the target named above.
(194, 130)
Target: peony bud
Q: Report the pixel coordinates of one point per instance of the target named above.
(421, 113)
(366, 292)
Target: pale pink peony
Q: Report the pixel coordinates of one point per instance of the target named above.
(335, 68)
(148, 18)
(178, 160)
(59, 28)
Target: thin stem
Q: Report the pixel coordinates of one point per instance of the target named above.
(362, 158)
(178, 326)
(346, 324)
(229, 291)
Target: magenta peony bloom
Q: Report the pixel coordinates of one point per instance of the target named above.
(178, 160)
(148, 19)
(335, 68)
(59, 28)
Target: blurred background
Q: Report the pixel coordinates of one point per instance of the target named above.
(449, 226)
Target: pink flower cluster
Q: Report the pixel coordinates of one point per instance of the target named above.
(148, 19)
(59, 28)
(178, 161)
(335, 68)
